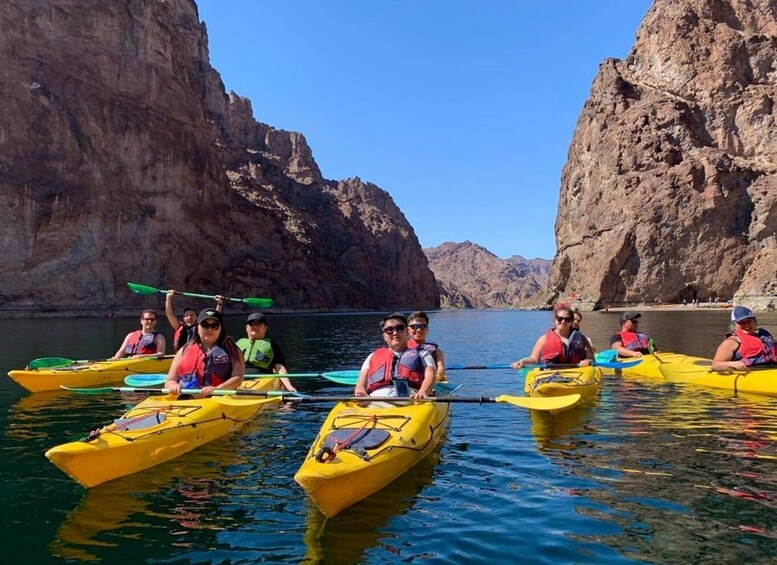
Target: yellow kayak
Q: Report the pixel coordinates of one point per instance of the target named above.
(757, 380)
(89, 374)
(158, 429)
(360, 450)
(585, 381)
(649, 368)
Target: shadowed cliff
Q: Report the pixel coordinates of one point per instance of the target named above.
(122, 158)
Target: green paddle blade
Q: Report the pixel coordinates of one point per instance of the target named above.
(50, 363)
(258, 302)
(142, 289)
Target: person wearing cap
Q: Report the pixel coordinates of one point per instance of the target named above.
(396, 370)
(145, 342)
(560, 345)
(185, 329)
(629, 342)
(262, 354)
(418, 329)
(209, 361)
(748, 345)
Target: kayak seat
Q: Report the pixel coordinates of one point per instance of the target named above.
(130, 424)
(356, 438)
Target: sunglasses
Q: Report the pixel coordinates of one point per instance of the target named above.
(563, 319)
(394, 329)
(149, 319)
(210, 325)
(418, 326)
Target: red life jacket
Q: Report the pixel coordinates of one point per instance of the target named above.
(557, 352)
(196, 369)
(759, 349)
(380, 371)
(428, 346)
(140, 343)
(635, 341)
(182, 336)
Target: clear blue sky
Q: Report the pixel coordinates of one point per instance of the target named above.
(462, 110)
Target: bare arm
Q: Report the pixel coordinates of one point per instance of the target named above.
(281, 370)
(589, 355)
(535, 354)
(724, 356)
(430, 376)
(440, 364)
(120, 353)
(174, 322)
(171, 383)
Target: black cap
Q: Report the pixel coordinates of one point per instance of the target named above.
(394, 316)
(210, 313)
(258, 317)
(628, 315)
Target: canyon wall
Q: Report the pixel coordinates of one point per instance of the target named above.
(670, 186)
(122, 158)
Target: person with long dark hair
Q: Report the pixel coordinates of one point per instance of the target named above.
(561, 344)
(209, 361)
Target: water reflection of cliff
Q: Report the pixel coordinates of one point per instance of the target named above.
(348, 536)
(690, 465)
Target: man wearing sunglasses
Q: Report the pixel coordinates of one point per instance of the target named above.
(145, 342)
(747, 345)
(396, 370)
(630, 342)
(418, 329)
(263, 355)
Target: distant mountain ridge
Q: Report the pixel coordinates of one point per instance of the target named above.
(470, 276)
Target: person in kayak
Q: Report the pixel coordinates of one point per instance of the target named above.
(396, 370)
(629, 342)
(145, 342)
(418, 329)
(210, 361)
(261, 354)
(185, 329)
(747, 346)
(577, 322)
(560, 345)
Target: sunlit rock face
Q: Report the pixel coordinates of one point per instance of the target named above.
(470, 276)
(122, 158)
(670, 185)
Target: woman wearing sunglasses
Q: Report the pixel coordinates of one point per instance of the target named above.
(747, 345)
(560, 345)
(145, 342)
(396, 370)
(211, 360)
(418, 328)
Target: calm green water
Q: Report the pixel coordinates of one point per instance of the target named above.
(649, 473)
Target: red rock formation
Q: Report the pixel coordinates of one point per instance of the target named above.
(470, 276)
(671, 180)
(123, 159)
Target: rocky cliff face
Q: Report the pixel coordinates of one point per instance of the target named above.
(671, 181)
(123, 159)
(470, 276)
